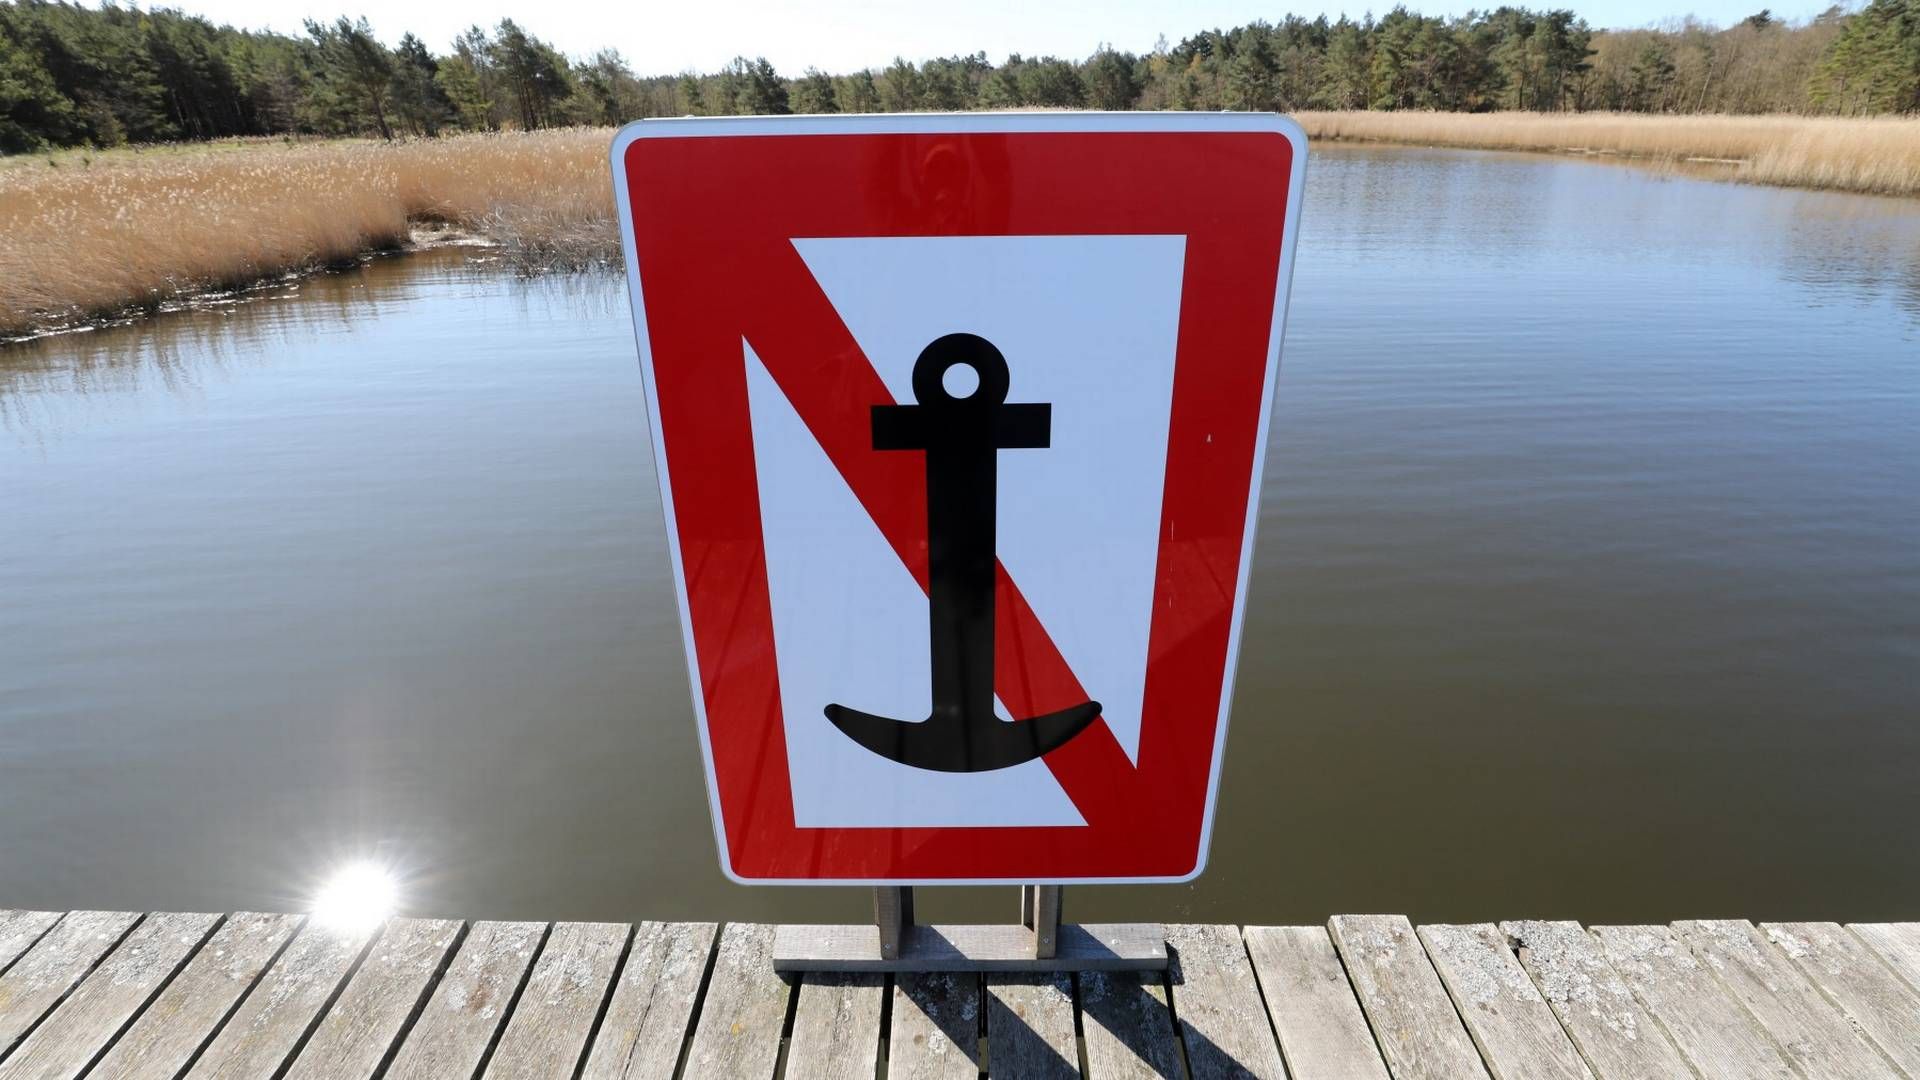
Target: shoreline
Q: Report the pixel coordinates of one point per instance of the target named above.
(132, 233)
(423, 238)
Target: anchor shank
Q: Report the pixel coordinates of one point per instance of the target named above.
(960, 562)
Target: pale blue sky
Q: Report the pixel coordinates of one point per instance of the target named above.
(842, 35)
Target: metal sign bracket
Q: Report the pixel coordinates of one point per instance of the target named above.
(1041, 942)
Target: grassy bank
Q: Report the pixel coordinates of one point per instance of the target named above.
(1876, 155)
(84, 235)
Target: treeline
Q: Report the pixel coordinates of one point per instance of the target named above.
(73, 75)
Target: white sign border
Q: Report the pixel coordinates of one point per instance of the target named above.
(971, 123)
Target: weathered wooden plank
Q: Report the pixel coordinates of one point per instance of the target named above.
(968, 947)
(936, 1027)
(836, 1027)
(547, 1035)
(1312, 1006)
(745, 1007)
(648, 1019)
(1897, 943)
(1852, 976)
(282, 1007)
(1517, 1032)
(19, 930)
(1127, 1026)
(470, 1002)
(1030, 1027)
(161, 1043)
(354, 1036)
(1613, 1031)
(38, 980)
(1708, 1025)
(1217, 1002)
(1414, 1021)
(96, 1011)
(1817, 1036)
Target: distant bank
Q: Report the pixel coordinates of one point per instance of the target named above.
(1870, 155)
(94, 234)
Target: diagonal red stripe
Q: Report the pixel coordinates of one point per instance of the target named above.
(832, 385)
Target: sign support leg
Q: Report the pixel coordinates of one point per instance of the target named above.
(892, 914)
(1040, 912)
(1040, 942)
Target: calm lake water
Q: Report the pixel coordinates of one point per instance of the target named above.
(1588, 581)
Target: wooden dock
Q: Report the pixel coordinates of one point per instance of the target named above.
(121, 995)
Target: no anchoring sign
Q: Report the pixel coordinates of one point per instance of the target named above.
(959, 422)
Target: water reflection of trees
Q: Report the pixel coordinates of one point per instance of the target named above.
(181, 349)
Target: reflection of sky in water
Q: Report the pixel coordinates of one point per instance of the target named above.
(1436, 220)
(1588, 547)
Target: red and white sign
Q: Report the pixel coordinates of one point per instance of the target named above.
(787, 275)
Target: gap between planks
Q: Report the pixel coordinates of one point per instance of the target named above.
(1226, 1008)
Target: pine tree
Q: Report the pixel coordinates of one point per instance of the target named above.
(418, 100)
(1874, 65)
(357, 64)
(536, 77)
(1110, 80)
(1250, 75)
(813, 93)
(459, 81)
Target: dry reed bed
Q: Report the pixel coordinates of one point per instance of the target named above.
(1873, 155)
(134, 229)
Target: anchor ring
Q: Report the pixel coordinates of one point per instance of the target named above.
(951, 351)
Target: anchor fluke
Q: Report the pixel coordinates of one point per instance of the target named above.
(959, 746)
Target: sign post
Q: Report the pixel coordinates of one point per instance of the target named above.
(959, 422)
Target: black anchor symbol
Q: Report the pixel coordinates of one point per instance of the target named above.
(962, 437)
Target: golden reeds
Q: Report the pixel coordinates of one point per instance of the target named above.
(1874, 155)
(92, 234)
